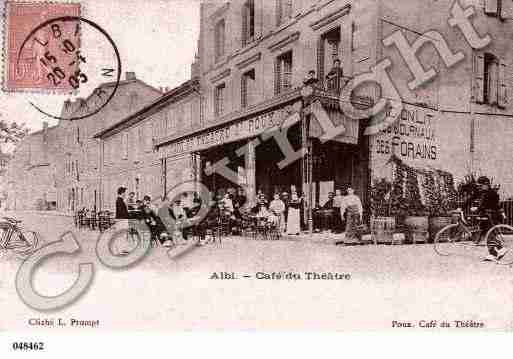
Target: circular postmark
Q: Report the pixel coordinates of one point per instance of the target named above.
(56, 49)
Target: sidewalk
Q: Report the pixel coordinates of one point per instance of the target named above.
(43, 213)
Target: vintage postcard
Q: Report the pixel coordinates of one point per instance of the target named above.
(264, 165)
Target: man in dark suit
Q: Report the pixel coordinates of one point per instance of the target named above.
(121, 208)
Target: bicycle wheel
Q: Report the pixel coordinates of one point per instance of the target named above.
(449, 238)
(502, 235)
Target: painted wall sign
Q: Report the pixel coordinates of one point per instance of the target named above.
(412, 138)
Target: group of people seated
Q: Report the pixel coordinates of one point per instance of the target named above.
(284, 212)
(143, 210)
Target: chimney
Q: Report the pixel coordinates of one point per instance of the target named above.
(130, 76)
(195, 71)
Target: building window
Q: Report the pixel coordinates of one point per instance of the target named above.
(132, 101)
(124, 145)
(219, 34)
(248, 22)
(490, 80)
(283, 72)
(491, 77)
(248, 88)
(219, 95)
(328, 50)
(148, 145)
(493, 8)
(283, 11)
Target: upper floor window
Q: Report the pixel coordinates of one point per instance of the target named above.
(493, 7)
(219, 34)
(283, 73)
(283, 11)
(148, 137)
(328, 51)
(124, 145)
(490, 80)
(219, 98)
(248, 22)
(133, 101)
(248, 88)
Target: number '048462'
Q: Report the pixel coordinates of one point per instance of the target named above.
(28, 346)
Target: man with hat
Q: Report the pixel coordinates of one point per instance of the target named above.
(489, 206)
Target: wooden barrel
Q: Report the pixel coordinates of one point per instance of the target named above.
(382, 229)
(417, 228)
(436, 224)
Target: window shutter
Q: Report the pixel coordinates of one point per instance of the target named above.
(287, 73)
(503, 85)
(287, 11)
(491, 7)
(125, 147)
(479, 68)
(123, 139)
(243, 91)
(493, 83)
(320, 60)
(277, 76)
(244, 24)
(279, 12)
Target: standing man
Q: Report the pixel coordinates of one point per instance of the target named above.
(121, 208)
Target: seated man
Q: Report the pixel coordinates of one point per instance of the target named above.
(325, 216)
(157, 228)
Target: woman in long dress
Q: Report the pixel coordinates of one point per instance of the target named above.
(293, 218)
(352, 204)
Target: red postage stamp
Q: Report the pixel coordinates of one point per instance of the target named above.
(39, 52)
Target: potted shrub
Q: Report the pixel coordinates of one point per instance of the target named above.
(382, 223)
(416, 221)
(441, 198)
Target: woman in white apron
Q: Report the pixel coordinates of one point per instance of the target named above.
(293, 218)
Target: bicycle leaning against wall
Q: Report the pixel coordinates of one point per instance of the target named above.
(15, 238)
(464, 236)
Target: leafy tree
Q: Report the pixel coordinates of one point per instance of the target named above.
(12, 133)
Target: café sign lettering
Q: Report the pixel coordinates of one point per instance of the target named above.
(235, 131)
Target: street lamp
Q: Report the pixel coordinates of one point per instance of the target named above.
(307, 94)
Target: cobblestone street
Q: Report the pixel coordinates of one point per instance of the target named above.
(164, 294)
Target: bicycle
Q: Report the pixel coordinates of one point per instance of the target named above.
(466, 234)
(15, 238)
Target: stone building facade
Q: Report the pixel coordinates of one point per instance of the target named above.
(129, 157)
(255, 54)
(248, 81)
(59, 167)
(32, 173)
(79, 182)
